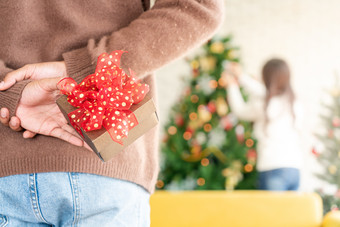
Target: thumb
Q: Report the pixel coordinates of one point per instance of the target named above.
(15, 76)
(50, 84)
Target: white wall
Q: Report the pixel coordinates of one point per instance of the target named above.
(304, 32)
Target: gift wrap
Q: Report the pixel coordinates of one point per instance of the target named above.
(109, 109)
(100, 140)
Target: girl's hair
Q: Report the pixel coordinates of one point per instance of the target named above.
(276, 77)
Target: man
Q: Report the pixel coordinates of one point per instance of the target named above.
(47, 175)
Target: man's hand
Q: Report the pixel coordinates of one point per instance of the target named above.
(34, 72)
(39, 113)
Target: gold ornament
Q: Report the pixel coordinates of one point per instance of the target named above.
(335, 92)
(195, 64)
(221, 106)
(207, 63)
(232, 54)
(217, 47)
(203, 114)
(332, 169)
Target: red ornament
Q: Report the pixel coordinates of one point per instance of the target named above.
(104, 98)
(337, 194)
(315, 152)
(251, 153)
(179, 120)
(226, 123)
(212, 107)
(330, 134)
(336, 122)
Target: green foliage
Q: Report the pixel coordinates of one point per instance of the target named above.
(330, 157)
(205, 146)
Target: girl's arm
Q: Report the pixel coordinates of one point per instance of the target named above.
(252, 86)
(249, 111)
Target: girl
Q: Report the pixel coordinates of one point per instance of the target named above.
(276, 116)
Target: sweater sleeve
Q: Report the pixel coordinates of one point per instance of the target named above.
(11, 97)
(252, 86)
(165, 32)
(248, 111)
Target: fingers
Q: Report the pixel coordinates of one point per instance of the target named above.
(15, 123)
(4, 116)
(28, 134)
(16, 76)
(66, 136)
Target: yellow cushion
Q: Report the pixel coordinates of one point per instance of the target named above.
(235, 209)
(332, 219)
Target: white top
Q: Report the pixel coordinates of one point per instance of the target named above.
(278, 140)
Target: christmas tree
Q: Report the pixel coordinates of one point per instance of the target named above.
(206, 146)
(330, 157)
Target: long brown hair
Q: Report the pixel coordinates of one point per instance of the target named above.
(276, 77)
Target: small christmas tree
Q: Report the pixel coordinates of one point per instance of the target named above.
(330, 157)
(206, 146)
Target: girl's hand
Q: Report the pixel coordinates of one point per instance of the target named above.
(229, 79)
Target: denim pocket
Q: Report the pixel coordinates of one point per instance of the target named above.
(3, 220)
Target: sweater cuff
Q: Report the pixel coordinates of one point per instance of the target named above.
(79, 64)
(11, 97)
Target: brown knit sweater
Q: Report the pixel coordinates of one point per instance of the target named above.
(77, 31)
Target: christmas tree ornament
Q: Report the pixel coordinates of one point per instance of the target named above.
(212, 107)
(336, 122)
(204, 84)
(194, 64)
(226, 123)
(217, 137)
(204, 114)
(332, 169)
(315, 152)
(221, 106)
(239, 130)
(201, 137)
(179, 120)
(217, 47)
(207, 63)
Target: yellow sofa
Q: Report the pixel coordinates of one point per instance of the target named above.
(239, 209)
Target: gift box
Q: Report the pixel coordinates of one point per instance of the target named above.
(108, 127)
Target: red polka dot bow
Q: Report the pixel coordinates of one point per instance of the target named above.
(105, 97)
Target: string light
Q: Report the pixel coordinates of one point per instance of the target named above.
(172, 130)
(248, 168)
(200, 181)
(194, 98)
(160, 184)
(187, 135)
(205, 162)
(207, 127)
(249, 142)
(193, 116)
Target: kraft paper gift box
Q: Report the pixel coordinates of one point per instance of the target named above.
(100, 140)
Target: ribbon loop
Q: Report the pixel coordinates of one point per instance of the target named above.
(104, 98)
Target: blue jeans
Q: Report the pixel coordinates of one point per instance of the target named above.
(282, 179)
(72, 199)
